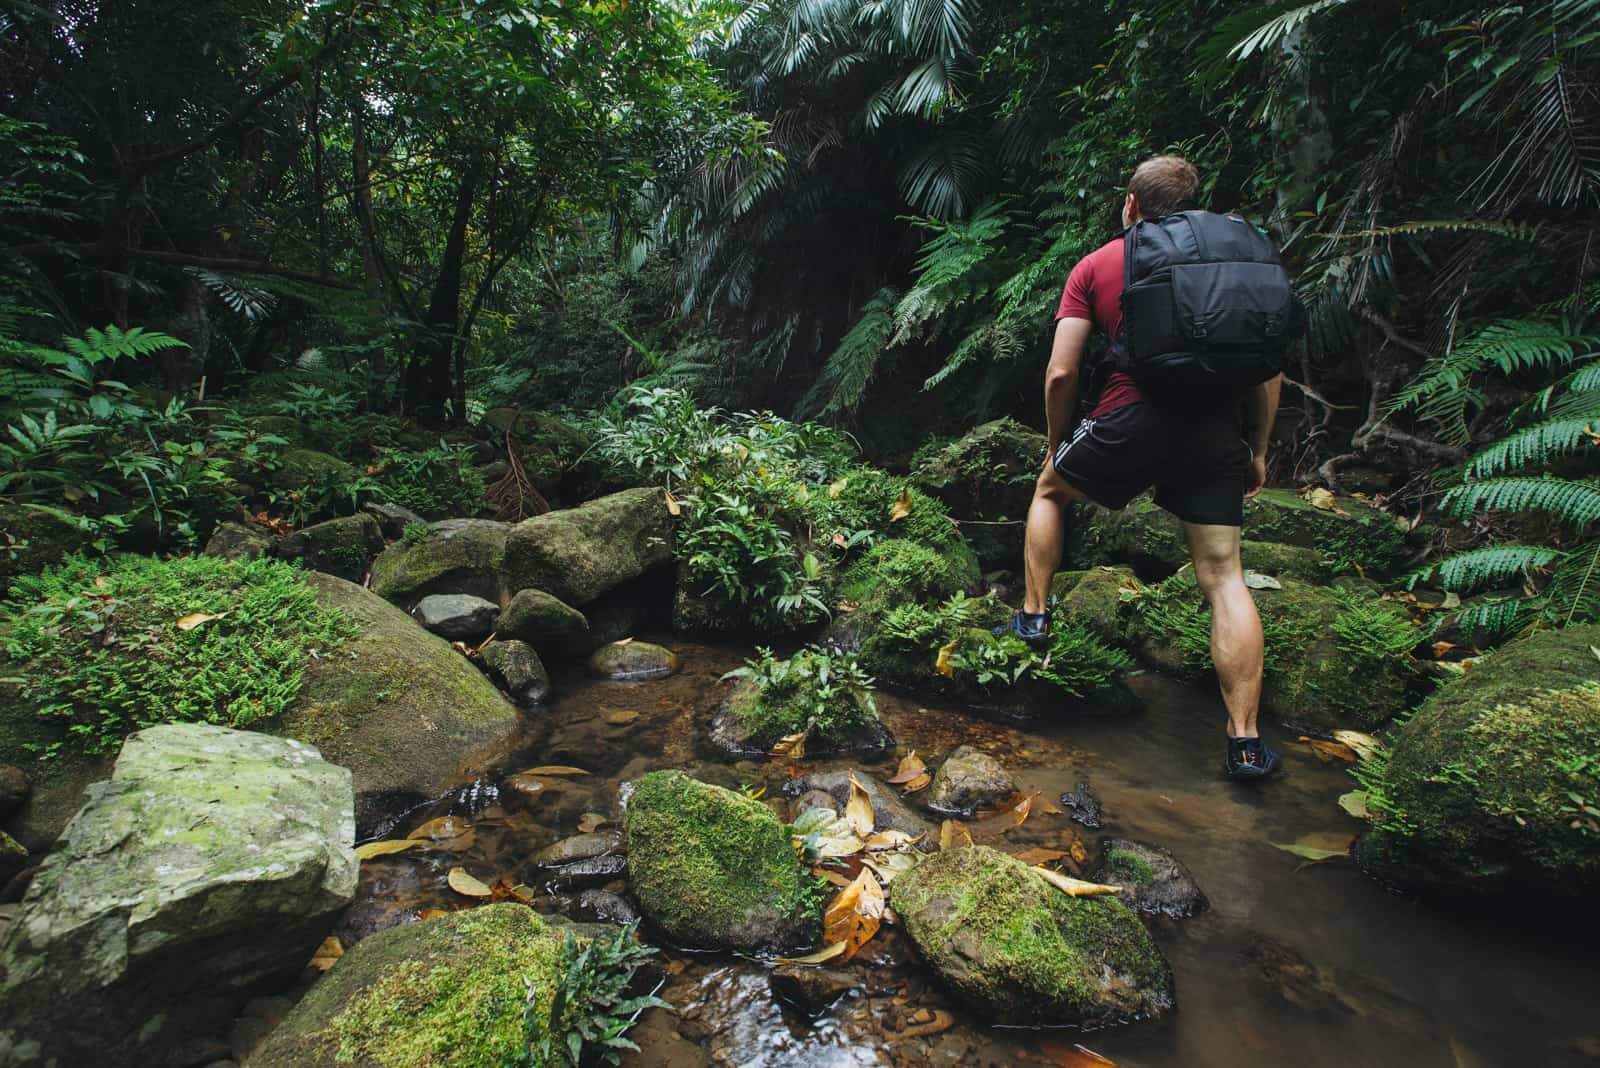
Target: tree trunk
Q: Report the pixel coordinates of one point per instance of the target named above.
(428, 377)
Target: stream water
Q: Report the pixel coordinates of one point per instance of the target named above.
(1314, 966)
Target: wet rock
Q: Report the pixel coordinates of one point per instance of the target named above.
(577, 554)
(592, 872)
(443, 993)
(457, 616)
(812, 799)
(1083, 806)
(1478, 784)
(399, 707)
(539, 619)
(15, 786)
(339, 547)
(238, 541)
(393, 518)
(453, 556)
(968, 780)
(888, 810)
(13, 858)
(602, 906)
(811, 990)
(1153, 881)
(750, 722)
(390, 892)
(1021, 952)
(581, 847)
(633, 661)
(713, 869)
(213, 861)
(517, 668)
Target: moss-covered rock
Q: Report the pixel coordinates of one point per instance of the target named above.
(578, 554)
(238, 541)
(753, 719)
(341, 546)
(713, 869)
(1021, 952)
(301, 468)
(1478, 791)
(1356, 535)
(870, 499)
(1153, 881)
(517, 668)
(1095, 599)
(452, 556)
(31, 540)
(986, 480)
(541, 620)
(1284, 561)
(402, 710)
(901, 571)
(447, 992)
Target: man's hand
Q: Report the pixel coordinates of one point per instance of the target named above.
(1049, 458)
(1257, 478)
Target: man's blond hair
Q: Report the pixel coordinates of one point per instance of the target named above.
(1165, 184)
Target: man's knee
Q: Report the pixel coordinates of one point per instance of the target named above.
(1053, 488)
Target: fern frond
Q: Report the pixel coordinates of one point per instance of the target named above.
(842, 385)
(1284, 20)
(1541, 443)
(1565, 500)
(1477, 568)
(1573, 595)
(1499, 618)
(1515, 231)
(114, 343)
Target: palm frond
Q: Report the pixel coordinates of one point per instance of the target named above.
(944, 177)
(1263, 28)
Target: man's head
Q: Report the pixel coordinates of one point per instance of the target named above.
(1160, 186)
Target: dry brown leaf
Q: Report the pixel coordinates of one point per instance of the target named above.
(383, 849)
(1077, 852)
(673, 507)
(953, 834)
(327, 955)
(590, 822)
(902, 506)
(1330, 751)
(854, 914)
(1074, 887)
(442, 829)
(620, 718)
(463, 882)
(1037, 856)
(911, 766)
(830, 876)
(890, 839)
(554, 769)
(1440, 649)
(919, 783)
(1074, 1055)
(792, 746)
(1365, 745)
(194, 619)
(821, 956)
(432, 914)
(858, 809)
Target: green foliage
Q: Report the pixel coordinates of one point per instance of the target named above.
(591, 1011)
(101, 653)
(1079, 663)
(734, 549)
(908, 569)
(438, 483)
(1368, 627)
(829, 698)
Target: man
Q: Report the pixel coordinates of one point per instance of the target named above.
(1194, 455)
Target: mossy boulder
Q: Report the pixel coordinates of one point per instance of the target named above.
(447, 992)
(451, 556)
(301, 468)
(578, 554)
(631, 661)
(1478, 793)
(1153, 881)
(1095, 599)
(1021, 952)
(341, 546)
(211, 863)
(1350, 534)
(31, 540)
(752, 720)
(967, 780)
(404, 711)
(986, 479)
(713, 869)
(898, 571)
(541, 620)
(517, 668)
(870, 499)
(239, 541)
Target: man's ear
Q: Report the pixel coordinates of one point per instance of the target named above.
(1131, 209)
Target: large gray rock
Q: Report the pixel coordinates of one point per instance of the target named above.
(967, 780)
(579, 553)
(452, 556)
(339, 547)
(457, 616)
(393, 518)
(212, 861)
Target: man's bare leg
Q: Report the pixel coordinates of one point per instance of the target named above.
(1046, 537)
(1237, 645)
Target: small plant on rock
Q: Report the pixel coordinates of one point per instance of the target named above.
(590, 1010)
(827, 698)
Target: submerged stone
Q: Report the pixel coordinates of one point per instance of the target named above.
(631, 661)
(581, 847)
(888, 810)
(212, 861)
(1021, 952)
(749, 723)
(1153, 881)
(447, 992)
(713, 869)
(968, 780)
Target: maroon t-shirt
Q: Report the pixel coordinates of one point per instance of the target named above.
(1094, 292)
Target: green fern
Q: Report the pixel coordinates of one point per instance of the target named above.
(112, 343)
(1572, 501)
(1539, 444)
(842, 385)
(1491, 565)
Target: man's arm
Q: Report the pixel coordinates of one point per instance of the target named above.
(1061, 379)
(1261, 411)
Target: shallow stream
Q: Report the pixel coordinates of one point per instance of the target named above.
(1313, 966)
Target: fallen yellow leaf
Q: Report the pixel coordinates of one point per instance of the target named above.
(383, 849)
(327, 954)
(911, 766)
(858, 809)
(953, 834)
(854, 914)
(194, 619)
(792, 746)
(821, 956)
(463, 882)
(944, 663)
(673, 507)
(1074, 887)
(554, 769)
(902, 506)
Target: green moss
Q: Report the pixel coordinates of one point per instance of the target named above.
(1021, 950)
(912, 570)
(1129, 867)
(32, 540)
(1484, 788)
(867, 502)
(988, 473)
(444, 993)
(301, 468)
(101, 651)
(452, 556)
(828, 697)
(715, 869)
(1361, 537)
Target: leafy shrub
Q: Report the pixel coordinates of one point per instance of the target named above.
(591, 1011)
(828, 697)
(313, 403)
(869, 499)
(735, 552)
(109, 647)
(439, 482)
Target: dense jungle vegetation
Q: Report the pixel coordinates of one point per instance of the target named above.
(224, 220)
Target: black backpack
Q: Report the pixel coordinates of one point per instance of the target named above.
(1207, 308)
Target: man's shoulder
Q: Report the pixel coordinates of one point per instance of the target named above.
(1097, 260)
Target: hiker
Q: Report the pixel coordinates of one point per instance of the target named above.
(1189, 393)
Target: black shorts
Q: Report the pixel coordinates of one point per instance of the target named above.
(1198, 464)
